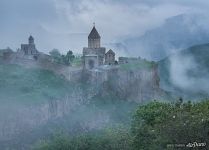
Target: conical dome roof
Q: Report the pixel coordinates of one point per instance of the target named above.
(94, 34)
(31, 38)
(110, 52)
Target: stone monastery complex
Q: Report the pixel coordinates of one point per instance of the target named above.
(94, 56)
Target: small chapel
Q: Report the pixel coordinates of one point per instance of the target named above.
(30, 48)
(28, 51)
(94, 55)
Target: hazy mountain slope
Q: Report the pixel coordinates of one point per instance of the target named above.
(178, 32)
(186, 72)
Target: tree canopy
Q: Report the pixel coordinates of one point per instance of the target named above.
(61, 58)
(163, 125)
(155, 126)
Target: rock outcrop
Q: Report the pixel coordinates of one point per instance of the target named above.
(137, 85)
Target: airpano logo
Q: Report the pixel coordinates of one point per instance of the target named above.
(196, 144)
(188, 145)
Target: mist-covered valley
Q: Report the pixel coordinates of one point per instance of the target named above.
(40, 107)
(36, 104)
(104, 75)
(186, 72)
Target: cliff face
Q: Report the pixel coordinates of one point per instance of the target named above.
(137, 81)
(137, 85)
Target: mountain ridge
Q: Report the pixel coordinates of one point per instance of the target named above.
(176, 33)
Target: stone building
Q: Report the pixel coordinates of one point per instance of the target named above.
(110, 58)
(94, 54)
(28, 49)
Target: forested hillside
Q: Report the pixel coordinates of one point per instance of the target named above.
(157, 125)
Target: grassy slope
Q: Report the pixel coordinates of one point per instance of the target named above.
(30, 85)
(140, 64)
(77, 62)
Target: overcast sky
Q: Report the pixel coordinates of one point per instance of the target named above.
(65, 24)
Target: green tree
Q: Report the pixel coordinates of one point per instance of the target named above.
(56, 55)
(157, 125)
(107, 139)
(68, 58)
(62, 59)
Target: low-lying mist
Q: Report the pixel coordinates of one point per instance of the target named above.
(186, 73)
(39, 104)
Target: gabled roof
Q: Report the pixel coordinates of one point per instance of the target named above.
(110, 52)
(94, 34)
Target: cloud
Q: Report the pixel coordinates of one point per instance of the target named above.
(187, 74)
(65, 24)
(116, 20)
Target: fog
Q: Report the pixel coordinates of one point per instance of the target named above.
(186, 73)
(34, 110)
(180, 71)
(35, 104)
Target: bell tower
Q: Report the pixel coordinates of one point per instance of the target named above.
(30, 40)
(94, 38)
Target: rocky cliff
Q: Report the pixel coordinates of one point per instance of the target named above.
(32, 97)
(136, 81)
(129, 83)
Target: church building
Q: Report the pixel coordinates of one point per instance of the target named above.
(110, 58)
(29, 49)
(94, 55)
